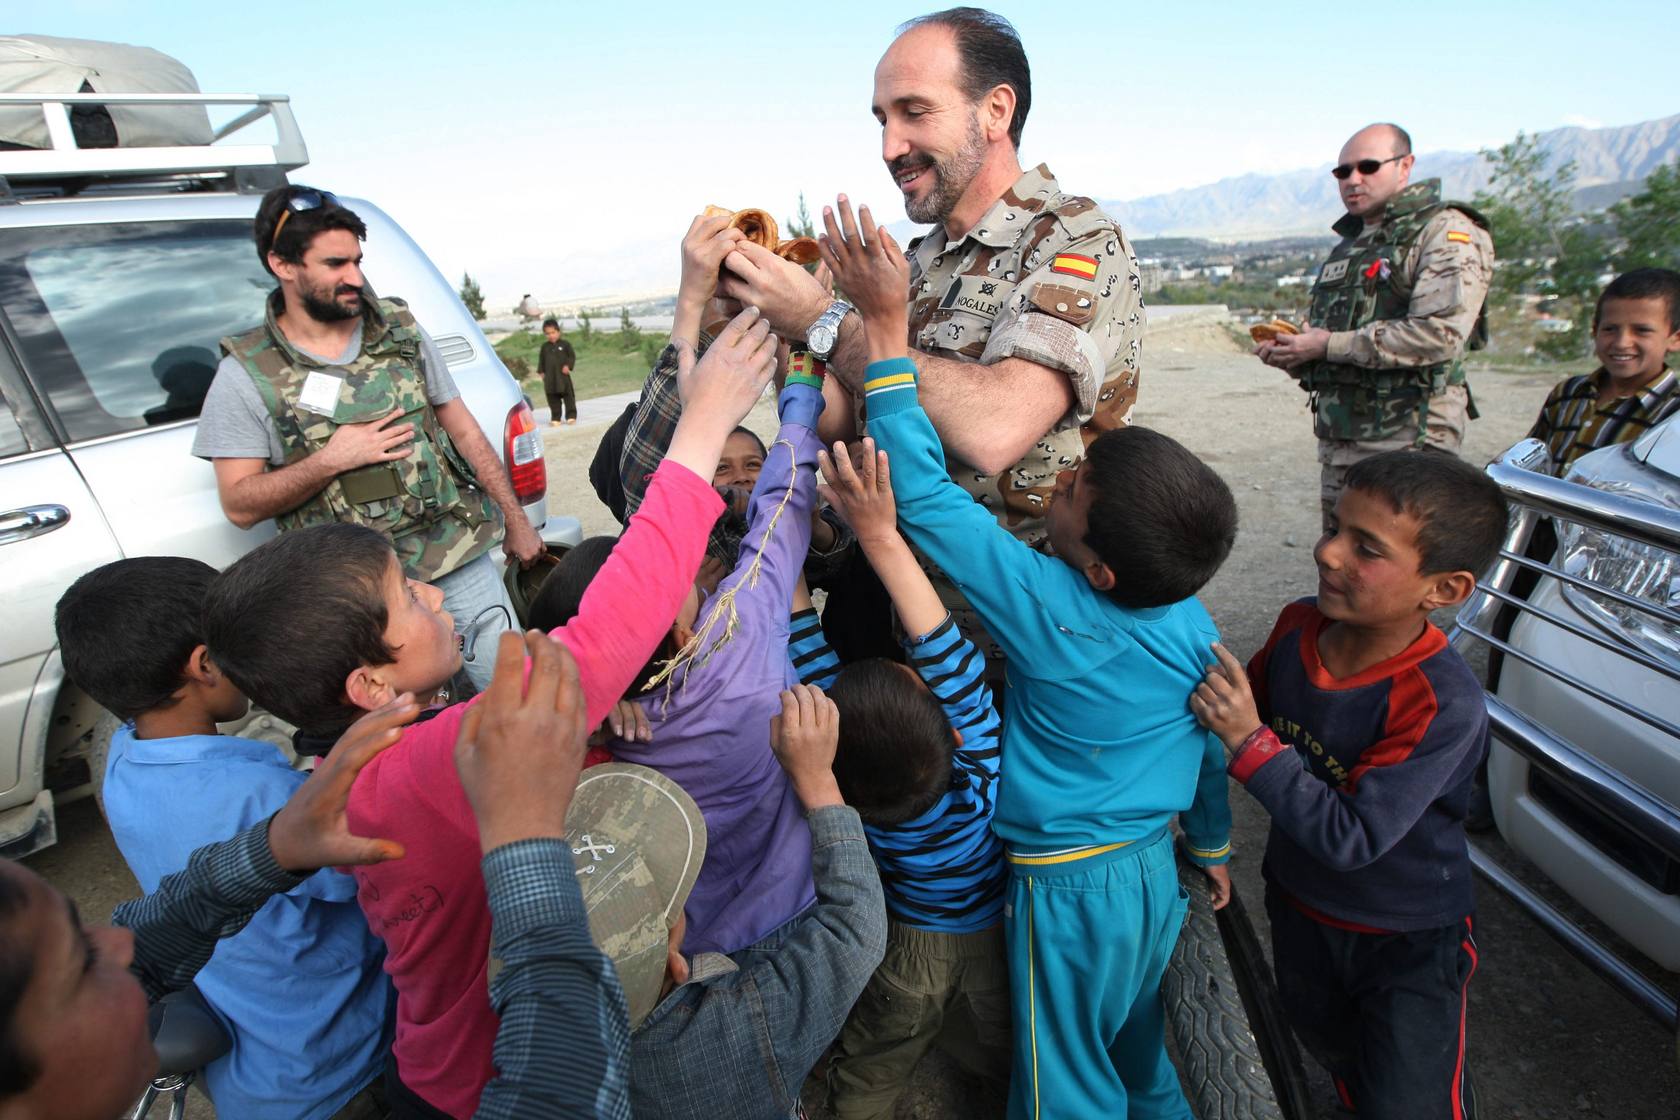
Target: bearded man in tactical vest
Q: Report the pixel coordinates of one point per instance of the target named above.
(339, 408)
(1395, 307)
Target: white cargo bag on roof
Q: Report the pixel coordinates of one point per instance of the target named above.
(45, 64)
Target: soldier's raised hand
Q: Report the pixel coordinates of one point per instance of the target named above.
(360, 445)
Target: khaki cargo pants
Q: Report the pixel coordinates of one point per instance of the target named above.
(946, 988)
(1443, 431)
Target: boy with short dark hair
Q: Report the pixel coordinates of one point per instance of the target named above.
(555, 362)
(918, 759)
(1359, 728)
(1100, 753)
(1636, 325)
(301, 987)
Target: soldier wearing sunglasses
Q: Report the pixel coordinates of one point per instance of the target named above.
(1394, 308)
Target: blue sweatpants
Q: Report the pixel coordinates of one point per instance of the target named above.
(1089, 937)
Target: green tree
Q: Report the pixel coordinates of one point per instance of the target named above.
(586, 324)
(1544, 248)
(471, 296)
(1648, 224)
(628, 336)
(801, 225)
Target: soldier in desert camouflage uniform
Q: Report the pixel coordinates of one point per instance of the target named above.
(338, 408)
(1393, 311)
(1026, 315)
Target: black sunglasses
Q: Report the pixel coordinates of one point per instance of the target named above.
(1364, 166)
(313, 200)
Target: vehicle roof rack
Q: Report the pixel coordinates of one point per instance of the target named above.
(232, 162)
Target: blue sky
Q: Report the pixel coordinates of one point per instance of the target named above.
(561, 148)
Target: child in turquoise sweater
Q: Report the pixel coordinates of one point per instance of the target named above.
(1100, 750)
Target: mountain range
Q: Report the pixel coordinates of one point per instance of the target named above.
(1609, 163)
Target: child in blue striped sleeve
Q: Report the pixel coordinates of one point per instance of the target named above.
(918, 759)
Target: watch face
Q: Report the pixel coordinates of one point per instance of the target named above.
(821, 339)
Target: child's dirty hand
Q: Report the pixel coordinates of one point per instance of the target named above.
(804, 738)
(312, 830)
(1219, 884)
(863, 494)
(1223, 703)
(626, 721)
(520, 748)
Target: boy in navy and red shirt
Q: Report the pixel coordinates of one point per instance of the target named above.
(1360, 737)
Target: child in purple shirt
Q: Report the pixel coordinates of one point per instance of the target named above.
(710, 722)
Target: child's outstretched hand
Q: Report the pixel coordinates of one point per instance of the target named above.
(720, 389)
(311, 830)
(870, 268)
(863, 495)
(804, 738)
(1223, 702)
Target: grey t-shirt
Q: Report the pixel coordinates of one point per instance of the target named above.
(234, 423)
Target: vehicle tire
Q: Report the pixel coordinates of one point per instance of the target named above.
(1238, 1059)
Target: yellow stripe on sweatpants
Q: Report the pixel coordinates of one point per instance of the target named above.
(1032, 997)
(1064, 857)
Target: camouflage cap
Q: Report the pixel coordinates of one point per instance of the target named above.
(638, 842)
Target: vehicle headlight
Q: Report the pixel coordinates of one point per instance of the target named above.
(1641, 571)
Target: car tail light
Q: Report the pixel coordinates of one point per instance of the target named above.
(1642, 571)
(524, 451)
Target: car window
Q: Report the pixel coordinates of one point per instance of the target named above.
(11, 435)
(118, 325)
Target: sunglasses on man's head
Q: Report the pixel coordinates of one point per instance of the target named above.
(1364, 166)
(312, 200)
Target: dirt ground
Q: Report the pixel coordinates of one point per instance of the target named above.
(1547, 1039)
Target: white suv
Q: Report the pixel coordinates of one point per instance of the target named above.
(120, 269)
(1584, 772)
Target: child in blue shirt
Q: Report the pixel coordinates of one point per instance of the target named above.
(1103, 642)
(918, 759)
(300, 990)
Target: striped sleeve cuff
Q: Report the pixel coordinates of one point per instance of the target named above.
(889, 385)
(1208, 855)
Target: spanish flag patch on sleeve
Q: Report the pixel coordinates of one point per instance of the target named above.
(1072, 264)
(1459, 236)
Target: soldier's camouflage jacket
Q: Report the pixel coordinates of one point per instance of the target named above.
(429, 503)
(1047, 277)
(1402, 301)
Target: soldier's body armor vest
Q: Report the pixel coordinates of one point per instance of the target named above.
(429, 503)
(1356, 287)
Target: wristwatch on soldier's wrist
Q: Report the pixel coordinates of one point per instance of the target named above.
(825, 332)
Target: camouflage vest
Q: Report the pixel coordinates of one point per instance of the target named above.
(429, 503)
(1356, 287)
